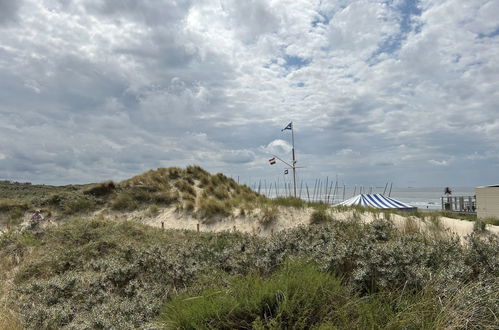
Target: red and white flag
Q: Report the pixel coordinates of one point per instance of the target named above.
(272, 161)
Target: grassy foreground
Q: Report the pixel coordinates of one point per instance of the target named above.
(93, 273)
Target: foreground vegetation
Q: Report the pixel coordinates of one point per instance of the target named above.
(102, 274)
(89, 272)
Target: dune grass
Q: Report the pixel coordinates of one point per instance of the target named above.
(300, 296)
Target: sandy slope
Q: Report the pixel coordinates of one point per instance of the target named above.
(290, 218)
(287, 218)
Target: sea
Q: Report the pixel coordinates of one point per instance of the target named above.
(427, 198)
(422, 198)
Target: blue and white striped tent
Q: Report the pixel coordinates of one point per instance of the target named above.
(376, 201)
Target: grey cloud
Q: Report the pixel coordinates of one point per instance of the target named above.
(9, 10)
(251, 19)
(238, 156)
(149, 12)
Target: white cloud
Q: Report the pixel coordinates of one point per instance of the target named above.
(438, 162)
(278, 147)
(96, 89)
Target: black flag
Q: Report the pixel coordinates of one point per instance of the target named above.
(290, 126)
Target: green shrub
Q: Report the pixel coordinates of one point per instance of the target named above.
(165, 198)
(124, 202)
(100, 189)
(11, 212)
(491, 221)
(196, 172)
(297, 296)
(320, 215)
(78, 205)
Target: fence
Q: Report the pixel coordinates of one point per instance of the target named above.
(318, 190)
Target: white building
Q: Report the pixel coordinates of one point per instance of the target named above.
(487, 201)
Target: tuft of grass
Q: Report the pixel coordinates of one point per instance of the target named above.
(269, 215)
(320, 215)
(9, 320)
(153, 210)
(289, 202)
(100, 189)
(124, 202)
(189, 205)
(435, 222)
(79, 205)
(209, 208)
(479, 226)
(491, 221)
(185, 187)
(410, 226)
(196, 172)
(296, 296)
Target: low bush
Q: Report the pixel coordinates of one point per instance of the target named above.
(124, 202)
(78, 205)
(12, 212)
(103, 274)
(165, 198)
(320, 215)
(297, 296)
(100, 189)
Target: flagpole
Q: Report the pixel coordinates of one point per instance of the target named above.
(294, 159)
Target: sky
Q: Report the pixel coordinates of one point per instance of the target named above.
(401, 91)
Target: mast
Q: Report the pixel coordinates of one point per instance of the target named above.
(294, 158)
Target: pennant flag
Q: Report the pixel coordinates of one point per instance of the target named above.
(272, 161)
(286, 171)
(290, 126)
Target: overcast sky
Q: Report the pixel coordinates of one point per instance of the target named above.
(404, 91)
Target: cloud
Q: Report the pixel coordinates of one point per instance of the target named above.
(8, 11)
(278, 147)
(238, 156)
(95, 90)
(438, 162)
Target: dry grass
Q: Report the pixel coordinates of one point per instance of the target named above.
(9, 320)
(410, 226)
